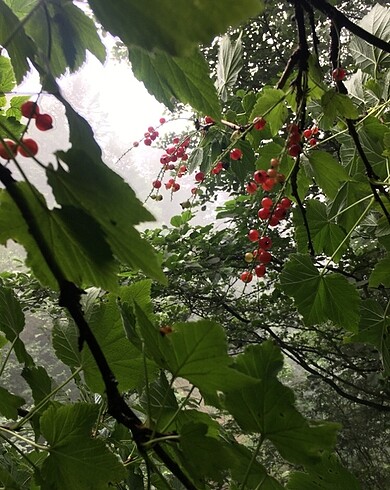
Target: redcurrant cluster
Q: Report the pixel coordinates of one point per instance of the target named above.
(27, 147)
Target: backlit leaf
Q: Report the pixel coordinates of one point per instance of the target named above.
(229, 65)
(9, 404)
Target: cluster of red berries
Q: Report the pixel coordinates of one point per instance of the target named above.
(295, 143)
(27, 147)
(266, 179)
(274, 214)
(150, 135)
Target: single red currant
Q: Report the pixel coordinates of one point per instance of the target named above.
(156, 184)
(8, 149)
(264, 256)
(29, 148)
(268, 184)
(260, 270)
(312, 142)
(338, 74)
(236, 154)
(209, 120)
(263, 213)
(265, 242)
(274, 221)
(308, 133)
(259, 123)
(175, 187)
(294, 138)
(251, 187)
(272, 172)
(246, 276)
(260, 176)
(294, 150)
(199, 177)
(29, 109)
(274, 162)
(44, 122)
(266, 202)
(162, 120)
(147, 141)
(253, 235)
(285, 203)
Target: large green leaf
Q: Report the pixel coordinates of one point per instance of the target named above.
(320, 297)
(229, 65)
(9, 404)
(367, 56)
(39, 382)
(196, 351)
(336, 105)
(184, 79)
(381, 274)
(374, 329)
(269, 409)
(13, 38)
(326, 236)
(12, 323)
(327, 172)
(76, 461)
(329, 474)
(65, 343)
(271, 104)
(76, 242)
(171, 26)
(63, 33)
(124, 359)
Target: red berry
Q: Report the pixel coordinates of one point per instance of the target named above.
(151, 129)
(294, 150)
(182, 169)
(154, 135)
(280, 178)
(271, 172)
(29, 109)
(44, 122)
(265, 242)
(260, 176)
(157, 184)
(135, 144)
(162, 120)
(274, 221)
(338, 74)
(307, 133)
(184, 157)
(209, 120)
(251, 188)
(171, 150)
(294, 138)
(8, 149)
(246, 276)
(147, 141)
(312, 142)
(293, 128)
(29, 149)
(266, 202)
(264, 256)
(164, 159)
(176, 140)
(268, 184)
(175, 187)
(259, 123)
(236, 154)
(253, 235)
(280, 212)
(314, 129)
(274, 162)
(263, 213)
(260, 270)
(285, 203)
(199, 177)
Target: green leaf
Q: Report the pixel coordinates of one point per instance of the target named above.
(367, 56)
(196, 351)
(336, 105)
(20, 47)
(327, 172)
(269, 409)
(197, 448)
(9, 124)
(7, 77)
(374, 329)
(381, 274)
(64, 33)
(165, 25)
(77, 244)
(325, 235)
(65, 343)
(9, 404)
(176, 221)
(184, 79)
(14, 108)
(271, 105)
(124, 359)
(12, 323)
(328, 474)
(229, 65)
(319, 298)
(76, 461)
(39, 382)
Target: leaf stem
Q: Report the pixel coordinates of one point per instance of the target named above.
(252, 461)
